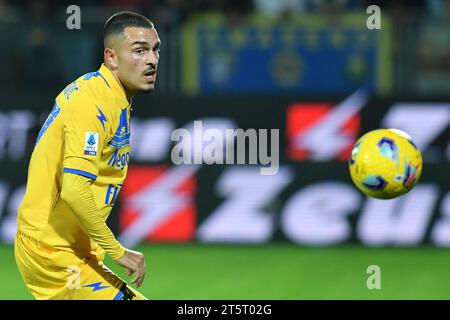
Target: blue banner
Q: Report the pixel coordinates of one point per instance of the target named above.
(310, 56)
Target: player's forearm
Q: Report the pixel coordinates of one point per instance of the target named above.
(76, 192)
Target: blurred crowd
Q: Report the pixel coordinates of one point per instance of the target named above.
(32, 45)
(172, 13)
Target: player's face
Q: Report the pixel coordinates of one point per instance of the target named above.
(137, 59)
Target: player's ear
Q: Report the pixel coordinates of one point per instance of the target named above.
(110, 58)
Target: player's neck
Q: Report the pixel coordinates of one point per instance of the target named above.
(128, 93)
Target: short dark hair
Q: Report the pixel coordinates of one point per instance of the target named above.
(121, 20)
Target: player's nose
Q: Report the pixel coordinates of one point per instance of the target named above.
(152, 59)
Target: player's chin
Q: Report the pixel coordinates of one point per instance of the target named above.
(149, 86)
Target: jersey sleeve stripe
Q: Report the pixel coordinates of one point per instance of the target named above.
(81, 173)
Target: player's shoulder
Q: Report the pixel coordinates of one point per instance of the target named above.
(92, 84)
(86, 92)
(95, 84)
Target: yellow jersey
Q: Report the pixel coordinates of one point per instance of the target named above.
(87, 133)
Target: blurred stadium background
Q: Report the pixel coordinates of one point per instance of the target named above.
(309, 68)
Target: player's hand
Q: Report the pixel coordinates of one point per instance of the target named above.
(134, 262)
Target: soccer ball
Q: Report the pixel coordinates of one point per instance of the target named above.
(385, 163)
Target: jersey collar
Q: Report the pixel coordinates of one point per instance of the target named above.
(115, 86)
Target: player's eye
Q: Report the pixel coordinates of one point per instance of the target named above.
(139, 51)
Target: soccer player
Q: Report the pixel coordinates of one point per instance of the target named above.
(77, 168)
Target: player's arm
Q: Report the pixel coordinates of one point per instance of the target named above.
(76, 192)
(86, 132)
